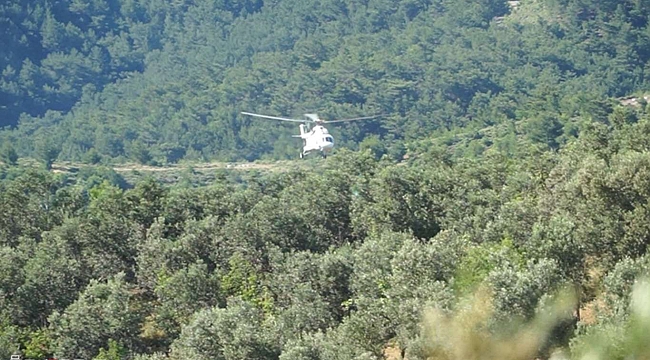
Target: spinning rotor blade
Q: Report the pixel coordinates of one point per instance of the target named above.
(275, 117)
(354, 119)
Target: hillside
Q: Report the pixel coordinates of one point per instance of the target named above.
(500, 209)
(156, 83)
(442, 256)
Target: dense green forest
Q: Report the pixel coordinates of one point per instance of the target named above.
(159, 81)
(499, 210)
(357, 259)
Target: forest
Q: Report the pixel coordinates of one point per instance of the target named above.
(158, 82)
(362, 257)
(498, 210)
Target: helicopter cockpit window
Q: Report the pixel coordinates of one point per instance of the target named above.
(329, 139)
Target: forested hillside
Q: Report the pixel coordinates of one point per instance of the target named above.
(358, 259)
(159, 81)
(499, 210)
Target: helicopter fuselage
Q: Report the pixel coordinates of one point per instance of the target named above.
(316, 139)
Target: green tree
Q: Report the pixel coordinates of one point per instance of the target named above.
(140, 153)
(103, 311)
(8, 154)
(374, 144)
(114, 351)
(52, 278)
(47, 152)
(9, 339)
(182, 294)
(92, 157)
(39, 345)
(235, 332)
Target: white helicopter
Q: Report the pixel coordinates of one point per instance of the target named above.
(315, 139)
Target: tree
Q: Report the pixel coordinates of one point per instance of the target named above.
(8, 154)
(140, 153)
(236, 332)
(25, 204)
(39, 345)
(182, 294)
(544, 129)
(517, 292)
(103, 311)
(52, 278)
(9, 340)
(92, 157)
(403, 200)
(375, 145)
(114, 351)
(47, 152)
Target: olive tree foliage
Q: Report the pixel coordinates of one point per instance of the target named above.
(588, 212)
(309, 214)
(397, 264)
(159, 254)
(154, 356)
(310, 291)
(11, 278)
(12, 309)
(402, 199)
(9, 340)
(617, 286)
(183, 293)
(436, 195)
(8, 154)
(554, 239)
(321, 346)
(217, 200)
(308, 312)
(360, 165)
(327, 199)
(418, 263)
(517, 291)
(591, 217)
(111, 231)
(26, 206)
(624, 335)
(395, 276)
(53, 276)
(629, 179)
(104, 311)
(236, 332)
(305, 348)
(602, 195)
(277, 223)
(152, 256)
(333, 344)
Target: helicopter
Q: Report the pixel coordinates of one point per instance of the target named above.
(316, 138)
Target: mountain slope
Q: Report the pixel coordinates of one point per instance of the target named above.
(429, 65)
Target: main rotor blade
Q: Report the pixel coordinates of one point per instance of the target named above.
(274, 117)
(354, 119)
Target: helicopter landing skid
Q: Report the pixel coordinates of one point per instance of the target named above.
(303, 154)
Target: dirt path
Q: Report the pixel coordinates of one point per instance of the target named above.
(282, 165)
(197, 167)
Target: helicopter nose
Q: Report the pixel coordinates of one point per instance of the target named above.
(327, 147)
